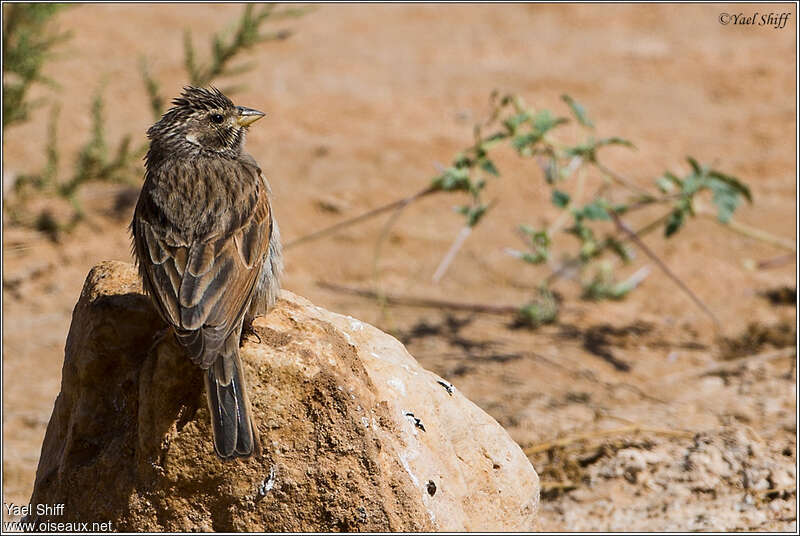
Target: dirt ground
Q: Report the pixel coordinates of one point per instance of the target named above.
(363, 102)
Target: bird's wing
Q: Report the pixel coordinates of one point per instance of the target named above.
(203, 287)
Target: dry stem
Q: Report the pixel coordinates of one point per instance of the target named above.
(661, 264)
(734, 364)
(561, 484)
(422, 302)
(400, 203)
(461, 237)
(633, 429)
(751, 232)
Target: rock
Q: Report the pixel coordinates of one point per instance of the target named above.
(355, 435)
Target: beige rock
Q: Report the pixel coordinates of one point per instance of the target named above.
(356, 436)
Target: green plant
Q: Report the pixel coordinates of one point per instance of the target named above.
(28, 41)
(95, 161)
(595, 222)
(603, 285)
(246, 35)
(224, 47)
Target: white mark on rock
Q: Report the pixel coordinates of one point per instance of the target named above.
(397, 385)
(268, 483)
(348, 339)
(365, 422)
(430, 514)
(355, 325)
(404, 461)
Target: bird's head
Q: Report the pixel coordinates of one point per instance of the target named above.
(203, 120)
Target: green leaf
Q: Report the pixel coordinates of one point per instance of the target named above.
(668, 175)
(473, 213)
(551, 171)
(523, 141)
(733, 182)
(462, 161)
(596, 210)
(696, 167)
(543, 309)
(665, 184)
(497, 136)
(514, 122)
(620, 209)
(588, 249)
(539, 244)
(453, 180)
(725, 198)
(620, 249)
(578, 110)
(476, 187)
(675, 221)
(536, 257)
(560, 199)
(693, 184)
(589, 246)
(586, 150)
(544, 121)
(489, 167)
(614, 140)
(604, 285)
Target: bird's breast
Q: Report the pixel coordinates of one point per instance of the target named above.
(202, 197)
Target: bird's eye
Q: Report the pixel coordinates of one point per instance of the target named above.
(217, 118)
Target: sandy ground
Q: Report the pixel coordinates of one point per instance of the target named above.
(363, 102)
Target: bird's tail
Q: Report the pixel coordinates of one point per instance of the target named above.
(229, 407)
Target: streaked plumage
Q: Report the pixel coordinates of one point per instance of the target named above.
(207, 247)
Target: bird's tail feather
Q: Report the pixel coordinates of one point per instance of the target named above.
(229, 407)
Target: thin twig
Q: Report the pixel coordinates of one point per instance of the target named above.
(616, 177)
(733, 364)
(776, 262)
(384, 234)
(576, 199)
(751, 232)
(656, 259)
(422, 302)
(562, 484)
(575, 261)
(634, 429)
(649, 200)
(461, 237)
(358, 219)
(585, 374)
(780, 489)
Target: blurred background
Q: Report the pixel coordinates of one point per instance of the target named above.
(366, 105)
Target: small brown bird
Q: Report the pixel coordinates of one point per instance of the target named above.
(207, 247)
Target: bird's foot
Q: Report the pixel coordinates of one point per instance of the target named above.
(249, 330)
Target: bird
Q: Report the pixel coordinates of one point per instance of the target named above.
(207, 248)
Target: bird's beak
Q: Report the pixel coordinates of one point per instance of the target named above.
(247, 116)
